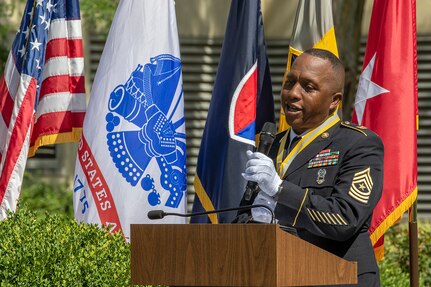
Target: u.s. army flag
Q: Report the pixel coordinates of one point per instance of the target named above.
(131, 157)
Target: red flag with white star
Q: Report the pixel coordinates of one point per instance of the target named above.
(386, 102)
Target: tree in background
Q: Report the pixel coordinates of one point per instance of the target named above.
(348, 16)
(98, 14)
(6, 29)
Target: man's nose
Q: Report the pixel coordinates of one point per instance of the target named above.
(294, 93)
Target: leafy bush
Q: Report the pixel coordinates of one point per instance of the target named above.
(42, 245)
(394, 269)
(42, 197)
(56, 251)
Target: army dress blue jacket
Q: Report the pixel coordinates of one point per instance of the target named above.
(330, 189)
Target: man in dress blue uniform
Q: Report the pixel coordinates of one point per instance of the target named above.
(324, 176)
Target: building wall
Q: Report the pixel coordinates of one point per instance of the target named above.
(207, 18)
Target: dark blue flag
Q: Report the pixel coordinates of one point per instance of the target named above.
(241, 103)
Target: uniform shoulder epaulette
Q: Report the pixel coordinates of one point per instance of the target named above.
(355, 127)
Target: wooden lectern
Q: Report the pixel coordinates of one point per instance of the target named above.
(231, 255)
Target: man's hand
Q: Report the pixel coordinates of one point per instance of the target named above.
(261, 214)
(260, 169)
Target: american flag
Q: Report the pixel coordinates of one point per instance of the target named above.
(42, 90)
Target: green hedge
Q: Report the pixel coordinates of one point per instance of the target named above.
(394, 269)
(56, 251)
(42, 245)
(43, 197)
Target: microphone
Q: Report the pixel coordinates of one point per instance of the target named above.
(266, 138)
(159, 214)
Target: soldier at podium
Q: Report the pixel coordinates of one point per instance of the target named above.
(323, 176)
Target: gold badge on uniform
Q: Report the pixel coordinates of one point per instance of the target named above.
(361, 187)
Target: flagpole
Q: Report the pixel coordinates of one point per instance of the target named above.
(413, 246)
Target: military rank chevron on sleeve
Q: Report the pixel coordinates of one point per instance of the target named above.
(362, 186)
(326, 217)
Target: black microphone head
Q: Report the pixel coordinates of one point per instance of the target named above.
(156, 214)
(269, 128)
(266, 138)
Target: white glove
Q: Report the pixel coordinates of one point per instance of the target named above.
(262, 214)
(261, 169)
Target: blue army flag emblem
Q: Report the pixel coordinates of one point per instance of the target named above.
(146, 102)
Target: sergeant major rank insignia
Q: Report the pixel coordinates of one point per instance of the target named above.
(361, 187)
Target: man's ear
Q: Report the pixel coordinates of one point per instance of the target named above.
(336, 99)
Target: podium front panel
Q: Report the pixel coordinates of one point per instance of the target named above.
(231, 255)
(203, 255)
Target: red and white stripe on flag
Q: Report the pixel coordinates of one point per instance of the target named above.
(386, 102)
(61, 108)
(42, 93)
